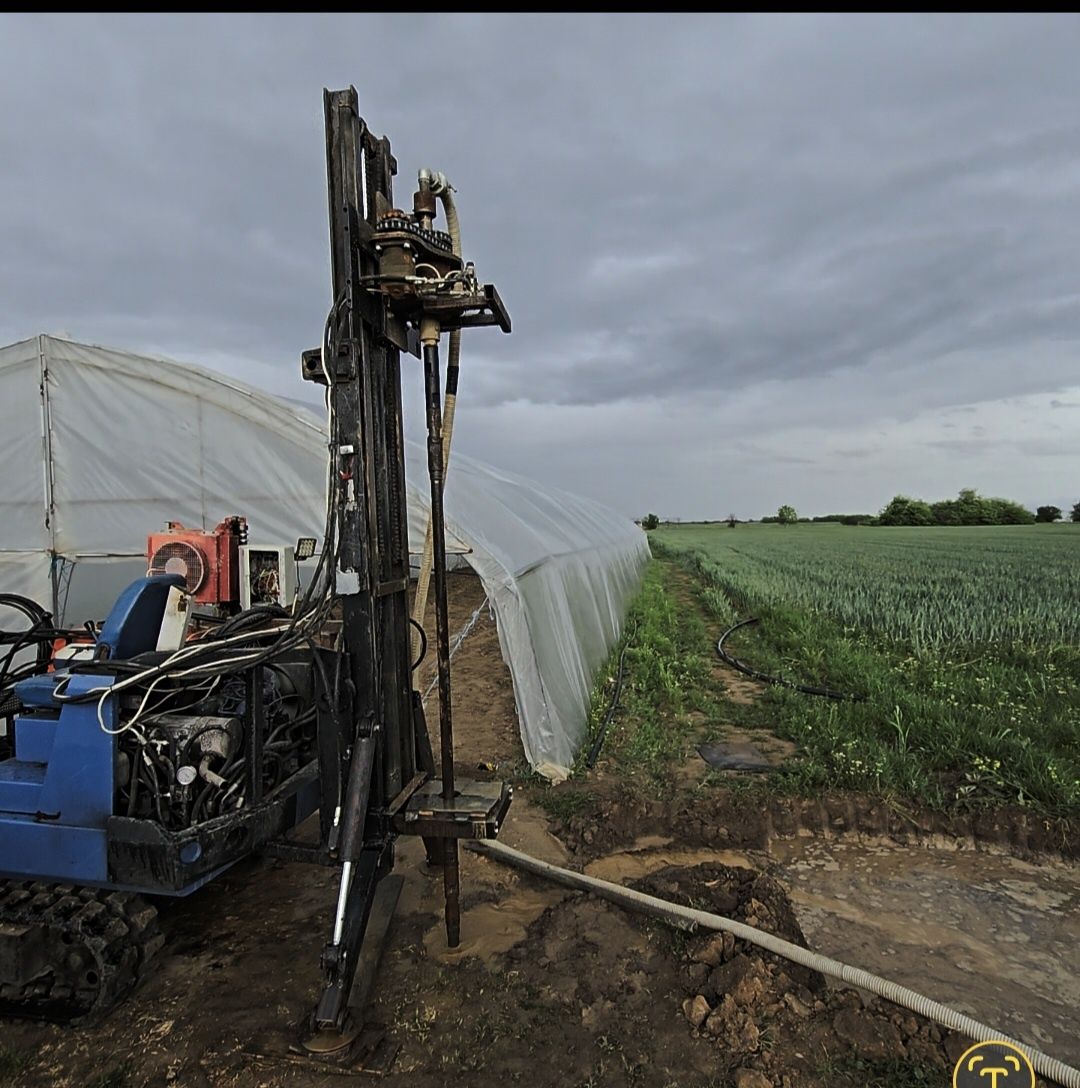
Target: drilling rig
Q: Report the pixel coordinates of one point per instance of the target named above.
(149, 767)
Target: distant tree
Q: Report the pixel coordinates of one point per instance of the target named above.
(903, 510)
(1048, 513)
(650, 521)
(973, 508)
(786, 515)
(732, 521)
(1075, 515)
(1007, 512)
(946, 512)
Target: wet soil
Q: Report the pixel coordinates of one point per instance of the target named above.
(553, 988)
(994, 936)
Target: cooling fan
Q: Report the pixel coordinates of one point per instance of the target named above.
(207, 561)
(180, 557)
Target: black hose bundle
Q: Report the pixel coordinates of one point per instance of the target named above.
(256, 616)
(40, 632)
(765, 678)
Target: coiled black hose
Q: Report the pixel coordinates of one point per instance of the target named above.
(765, 678)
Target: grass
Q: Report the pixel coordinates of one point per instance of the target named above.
(116, 1077)
(932, 588)
(564, 804)
(12, 1062)
(666, 683)
(951, 724)
(852, 1072)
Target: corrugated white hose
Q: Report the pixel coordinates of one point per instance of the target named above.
(688, 918)
(423, 580)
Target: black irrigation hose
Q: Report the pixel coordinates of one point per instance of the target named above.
(597, 744)
(765, 678)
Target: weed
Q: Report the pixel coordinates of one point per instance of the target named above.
(116, 1077)
(12, 1062)
(665, 682)
(563, 802)
(852, 1072)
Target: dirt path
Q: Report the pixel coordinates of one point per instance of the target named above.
(485, 717)
(550, 989)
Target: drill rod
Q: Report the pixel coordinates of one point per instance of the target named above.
(442, 629)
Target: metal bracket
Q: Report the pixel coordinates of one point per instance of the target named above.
(476, 811)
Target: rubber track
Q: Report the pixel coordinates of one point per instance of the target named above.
(114, 934)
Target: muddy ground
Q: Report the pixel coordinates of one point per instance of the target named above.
(552, 988)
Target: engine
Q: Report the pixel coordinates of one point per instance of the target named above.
(188, 762)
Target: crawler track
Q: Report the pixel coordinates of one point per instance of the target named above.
(68, 954)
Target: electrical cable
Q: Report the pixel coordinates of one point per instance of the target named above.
(423, 645)
(765, 678)
(250, 617)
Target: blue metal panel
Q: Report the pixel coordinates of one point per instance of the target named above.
(194, 886)
(133, 625)
(37, 691)
(34, 739)
(79, 785)
(29, 848)
(20, 786)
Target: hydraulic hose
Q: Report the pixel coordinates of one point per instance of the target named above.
(689, 919)
(445, 193)
(39, 634)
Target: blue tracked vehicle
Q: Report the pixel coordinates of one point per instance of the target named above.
(154, 764)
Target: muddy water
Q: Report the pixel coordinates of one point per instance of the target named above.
(995, 937)
(491, 928)
(507, 904)
(654, 852)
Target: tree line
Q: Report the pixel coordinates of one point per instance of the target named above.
(968, 508)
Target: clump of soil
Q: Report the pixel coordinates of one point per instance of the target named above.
(773, 1022)
(612, 815)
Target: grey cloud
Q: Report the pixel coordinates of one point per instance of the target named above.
(877, 216)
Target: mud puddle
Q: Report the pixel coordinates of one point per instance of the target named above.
(654, 852)
(994, 936)
(498, 905)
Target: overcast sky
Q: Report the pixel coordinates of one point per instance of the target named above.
(749, 260)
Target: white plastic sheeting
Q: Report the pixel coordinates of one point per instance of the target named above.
(100, 447)
(560, 571)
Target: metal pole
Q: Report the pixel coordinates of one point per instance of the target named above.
(429, 335)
